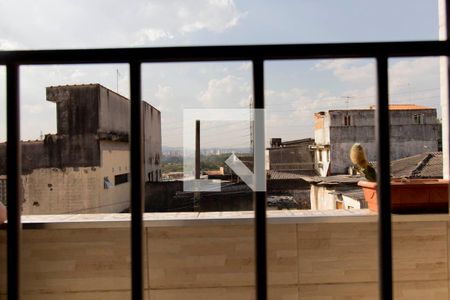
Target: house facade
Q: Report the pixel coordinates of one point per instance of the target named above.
(413, 130)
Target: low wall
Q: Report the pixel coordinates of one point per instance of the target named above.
(311, 255)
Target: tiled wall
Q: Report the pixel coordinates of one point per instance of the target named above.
(305, 261)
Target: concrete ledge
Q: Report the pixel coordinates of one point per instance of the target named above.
(213, 218)
(310, 255)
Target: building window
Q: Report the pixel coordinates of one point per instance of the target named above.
(347, 120)
(121, 178)
(320, 155)
(418, 118)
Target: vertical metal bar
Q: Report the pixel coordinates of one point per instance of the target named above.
(14, 191)
(137, 187)
(384, 181)
(447, 88)
(259, 197)
(197, 149)
(444, 75)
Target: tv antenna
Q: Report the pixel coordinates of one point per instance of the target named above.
(347, 100)
(117, 80)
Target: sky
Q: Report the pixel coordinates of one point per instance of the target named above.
(294, 90)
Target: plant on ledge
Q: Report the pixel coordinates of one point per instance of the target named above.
(358, 158)
(408, 195)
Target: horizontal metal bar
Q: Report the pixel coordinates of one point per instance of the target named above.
(227, 53)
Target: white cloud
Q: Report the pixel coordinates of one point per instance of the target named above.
(164, 92)
(165, 96)
(349, 70)
(92, 24)
(8, 44)
(414, 72)
(151, 35)
(245, 66)
(211, 15)
(230, 91)
(77, 75)
(33, 108)
(167, 20)
(290, 113)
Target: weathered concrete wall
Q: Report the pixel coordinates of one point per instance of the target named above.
(321, 198)
(79, 190)
(153, 143)
(322, 128)
(59, 191)
(56, 152)
(93, 125)
(292, 158)
(115, 161)
(360, 117)
(77, 108)
(340, 152)
(114, 112)
(324, 198)
(306, 260)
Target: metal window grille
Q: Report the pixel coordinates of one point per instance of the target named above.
(257, 54)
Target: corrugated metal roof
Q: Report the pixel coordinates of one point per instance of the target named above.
(424, 165)
(277, 175)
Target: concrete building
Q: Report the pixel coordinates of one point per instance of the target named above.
(414, 130)
(291, 156)
(336, 192)
(84, 167)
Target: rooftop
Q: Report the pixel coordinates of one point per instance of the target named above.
(391, 107)
(277, 175)
(425, 165)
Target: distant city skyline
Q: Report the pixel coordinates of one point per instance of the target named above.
(295, 90)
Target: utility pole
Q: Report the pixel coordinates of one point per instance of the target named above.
(117, 80)
(252, 125)
(197, 162)
(347, 100)
(197, 149)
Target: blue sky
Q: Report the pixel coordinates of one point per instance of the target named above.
(294, 89)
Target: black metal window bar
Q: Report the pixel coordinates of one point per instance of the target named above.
(257, 54)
